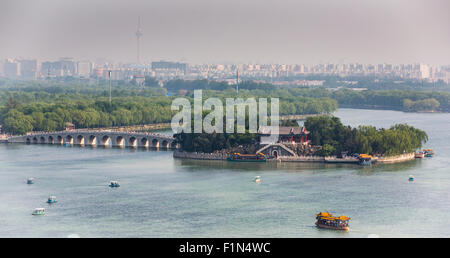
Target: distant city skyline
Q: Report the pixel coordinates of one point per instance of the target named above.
(229, 32)
(165, 70)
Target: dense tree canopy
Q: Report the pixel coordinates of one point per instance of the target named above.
(48, 105)
(334, 137)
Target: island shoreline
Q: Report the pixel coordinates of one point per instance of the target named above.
(177, 154)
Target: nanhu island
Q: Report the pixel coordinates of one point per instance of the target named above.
(320, 139)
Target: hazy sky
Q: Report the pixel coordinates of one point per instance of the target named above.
(208, 31)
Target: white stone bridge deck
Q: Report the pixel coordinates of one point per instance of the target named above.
(98, 138)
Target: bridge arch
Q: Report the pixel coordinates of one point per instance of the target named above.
(155, 143)
(92, 140)
(106, 140)
(165, 144)
(69, 139)
(119, 141)
(144, 142)
(59, 139)
(42, 140)
(80, 140)
(28, 141)
(173, 145)
(35, 140)
(51, 140)
(132, 142)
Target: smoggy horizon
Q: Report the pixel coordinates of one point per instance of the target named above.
(232, 31)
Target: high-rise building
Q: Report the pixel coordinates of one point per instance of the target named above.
(64, 67)
(11, 68)
(84, 69)
(29, 68)
(164, 65)
(424, 71)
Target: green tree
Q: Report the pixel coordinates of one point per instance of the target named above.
(17, 123)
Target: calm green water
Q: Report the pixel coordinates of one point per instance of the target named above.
(163, 197)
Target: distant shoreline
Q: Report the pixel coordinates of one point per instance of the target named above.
(372, 107)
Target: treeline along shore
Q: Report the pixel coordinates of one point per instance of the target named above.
(48, 105)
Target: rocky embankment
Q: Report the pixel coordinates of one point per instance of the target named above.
(317, 159)
(396, 159)
(199, 155)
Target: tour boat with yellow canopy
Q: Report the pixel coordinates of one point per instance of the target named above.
(365, 159)
(328, 221)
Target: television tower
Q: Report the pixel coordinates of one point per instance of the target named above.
(138, 38)
(237, 81)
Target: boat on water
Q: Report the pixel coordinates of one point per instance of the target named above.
(419, 155)
(38, 211)
(411, 178)
(328, 221)
(30, 180)
(257, 179)
(114, 184)
(238, 157)
(365, 159)
(428, 153)
(51, 199)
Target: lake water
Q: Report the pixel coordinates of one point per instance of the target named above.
(163, 197)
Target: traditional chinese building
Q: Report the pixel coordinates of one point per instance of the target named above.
(70, 126)
(285, 134)
(281, 142)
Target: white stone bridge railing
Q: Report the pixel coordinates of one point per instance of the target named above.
(99, 138)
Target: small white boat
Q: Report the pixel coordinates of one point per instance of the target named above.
(52, 199)
(114, 184)
(411, 178)
(257, 179)
(30, 180)
(38, 211)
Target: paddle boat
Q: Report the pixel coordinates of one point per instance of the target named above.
(30, 180)
(257, 179)
(51, 199)
(38, 211)
(428, 153)
(411, 178)
(114, 184)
